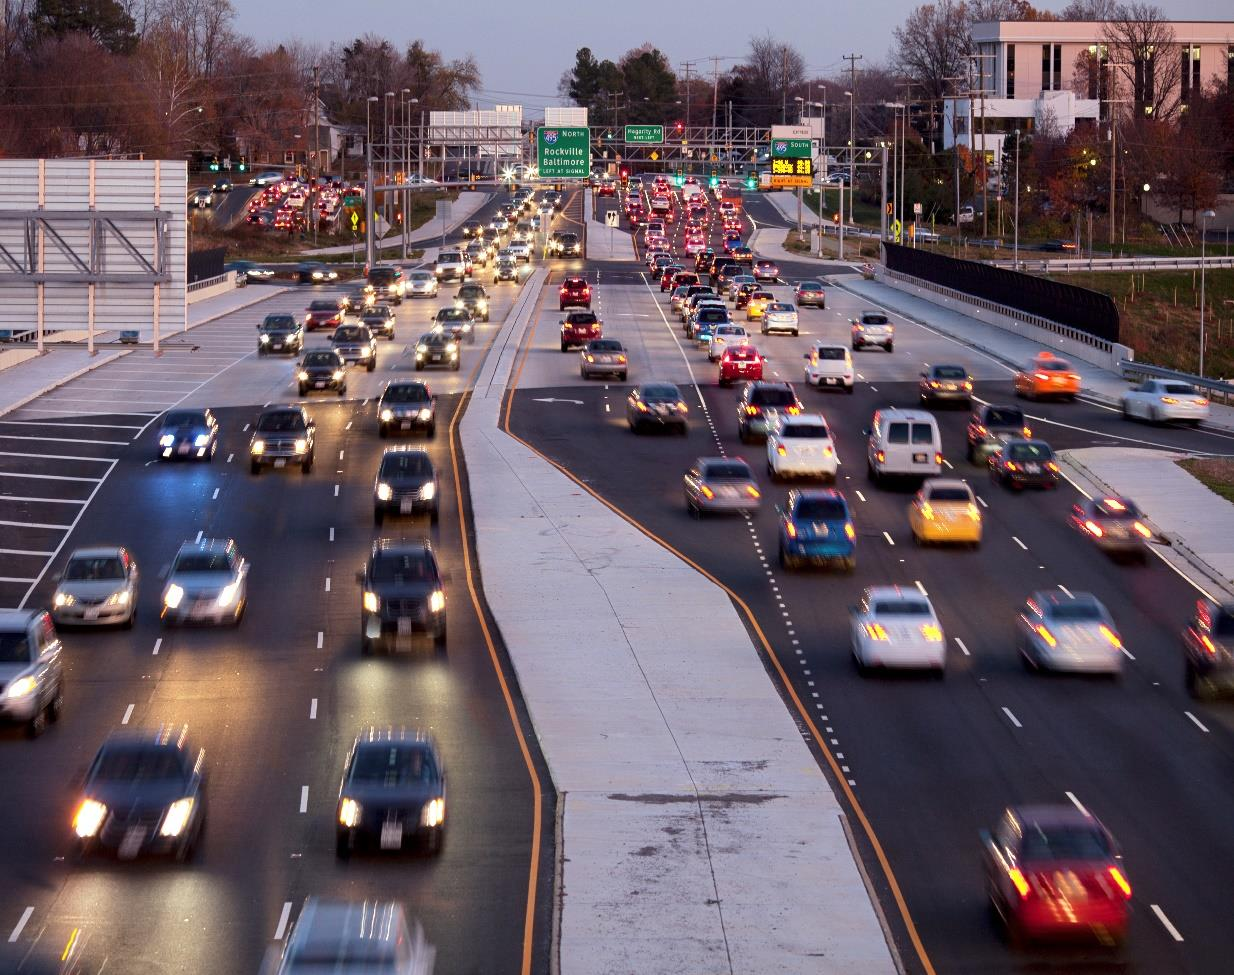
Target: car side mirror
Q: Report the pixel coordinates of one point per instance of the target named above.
(865, 432)
(360, 576)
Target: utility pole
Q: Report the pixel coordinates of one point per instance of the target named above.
(688, 66)
(1015, 253)
(852, 60)
(715, 88)
(312, 200)
(1113, 149)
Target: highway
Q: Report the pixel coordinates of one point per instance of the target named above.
(277, 702)
(931, 763)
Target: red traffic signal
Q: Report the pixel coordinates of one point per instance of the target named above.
(679, 126)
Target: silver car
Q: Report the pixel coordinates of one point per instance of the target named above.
(1060, 630)
(422, 284)
(356, 938)
(603, 357)
(97, 588)
(736, 283)
(31, 671)
(720, 484)
(779, 316)
(207, 583)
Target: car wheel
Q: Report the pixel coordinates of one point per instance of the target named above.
(969, 454)
(302, 390)
(56, 707)
(378, 517)
(432, 430)
(38, 724)
(419, 366)
(130, 619)
(623, 376)
(848, 390)
(371, 365)
(565, 347)
(432, 517)
(891, 346)
(382, 431)
(342, 391)
(456, 365)
(342, 845)
(1155, 416)
(254, 467)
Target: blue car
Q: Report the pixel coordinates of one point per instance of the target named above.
(816, 527)
(188, 435)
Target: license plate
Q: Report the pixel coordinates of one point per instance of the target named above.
(404, 425)
(182, 449)
(278, 345)
(920, 458)
(280, 462)
(436, 357)
(130, 846)
(1033, 468)
(319, 385)
(831, 380)
(407, 506)
(391, 836)
(91, 613)
(404, 626)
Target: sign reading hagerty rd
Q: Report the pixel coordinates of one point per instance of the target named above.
(652, 135)
(564, 153)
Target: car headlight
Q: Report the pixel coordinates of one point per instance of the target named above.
(302, 375)
(426, 413)
(258, 446)
(338, 374)
(434, 813)
(201, 439)
(63, 599)
(436, 601)
(349, 813)
(451, 347)
(264, 338)
(421, 349)
(387, 416)
(89, 818)
(384, 492)
(364, 353)
(228, 596)
(371, 602)
(166, 440)
(176, 817)
(120, 598)
(22, 687)
(173, 596)
(317, 275)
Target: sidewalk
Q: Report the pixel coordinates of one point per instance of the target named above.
(698, 833)
(605, 243)
(468, 202)
(768, 242)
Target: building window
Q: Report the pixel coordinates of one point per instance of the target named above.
(1011, 69)
(1051, 67)
(1190, 78)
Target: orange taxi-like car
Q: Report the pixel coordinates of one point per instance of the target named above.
(1047, 375)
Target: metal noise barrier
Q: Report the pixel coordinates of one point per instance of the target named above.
(205, 263)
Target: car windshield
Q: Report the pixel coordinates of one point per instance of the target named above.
(406, 393)
(832, 353)
(773, 396)
(1029, 452)
(279, 321)
(1064, 843)
(1004, 418)
(471, 291)
(382, 275)
(868, 319)
(778, 306)
(287, 421)
(420, 277)
(184, 420)
(453, 315)
(581, 318)
(948, 494)
(950, 372)
(810, 286)
(727, 471)
(661, 393)
(450, 257)
(406, 462)
(902, 607)
(321, 359)
(393, 766)
(324, 306)
(1076, 611)
(350, 333)
(805, 431)
(435, 338)
(14, 648)
(569, 238)
(605, 345)
(408, 567)
(1179, 389)
(94, 569)
(820, 509)
(203, 562)
(1053, 365)
(140, 765)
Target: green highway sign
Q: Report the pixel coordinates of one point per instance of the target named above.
(352, 200)
(563, 153)
(651, 135)
(790, 149)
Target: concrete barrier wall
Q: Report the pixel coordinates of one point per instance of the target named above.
(210, 287)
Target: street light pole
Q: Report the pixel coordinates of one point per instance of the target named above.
(1016, 245)
(1206, 216)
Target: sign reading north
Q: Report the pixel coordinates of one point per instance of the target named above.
(563, 153)
(650, 135)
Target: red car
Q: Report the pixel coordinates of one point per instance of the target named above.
(574, 293)
(667, 273)
(579, 328)
(1056, 872)
(323, 313)
(608, 189)
(740, 362)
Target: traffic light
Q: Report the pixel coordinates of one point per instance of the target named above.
(625, 175)
(751, 181)
(679, 178)
(714, 181)
(679, 127)
(214, 164)
(244, 164)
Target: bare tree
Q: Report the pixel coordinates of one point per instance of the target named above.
(1088, 10)
(1140, 44)
(932, 47)
(772, 70)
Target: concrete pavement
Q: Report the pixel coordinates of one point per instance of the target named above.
(605, 243)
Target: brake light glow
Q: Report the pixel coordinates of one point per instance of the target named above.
(707, 492)
(1114, 504)
(932, 633)
(790, 529)
(968, 385)
(1046, 634)
(1123, 883)
(1016, 876)
(1011, 465)
(876, 631)
(1094, 529)
(1142, 529)
(621, 358)
(752, 491)
(973, 513)
(781, 450)
(1208, 644)
(938, 458)
(752, 410)
(641, 405)
(681, 406)
(927, 512)
(1201, 402)
(1111, 637)
(1050, 465)
(881, 456)
(849, 532)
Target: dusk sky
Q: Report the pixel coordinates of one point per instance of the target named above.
(522, 48)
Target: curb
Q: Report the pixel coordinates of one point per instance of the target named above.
(6, 410)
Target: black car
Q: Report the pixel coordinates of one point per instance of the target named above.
(656, 405)
(283, 436)
(222, 185)
(406, 484)
(474, 298)
(1114, 525)
(505, 270)
(457, 322)
(322, 369)
(280, 333)
(393, 793)
(355, 343)
(407, 405)
(568, 245)
(379, 320)
(357, 301)
(403, 596)
(188, 435)
(314, 272)
(990, 426)
(144, 793)
(760, 403)
(437, 348)
(247, 272)
(1024, 463)
(1208, 646)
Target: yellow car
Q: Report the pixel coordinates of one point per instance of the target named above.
(945, 510)
(759, 300)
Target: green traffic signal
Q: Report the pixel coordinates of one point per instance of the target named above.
(751, 182)
(714, 181)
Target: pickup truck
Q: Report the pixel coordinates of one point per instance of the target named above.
(450, 266)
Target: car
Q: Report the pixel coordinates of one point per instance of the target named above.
(702, 260)
(829, 364)
(357, 300)
(658, 405)
(735, 285)
(386, 283)
(566, 244)
(322, 369)
(1022, 463)
(945, 511)
(314, 272)
(720, 484)
(393, 793)
(667, 273)
(1047, 375)
(98, 587)
(800, 445)
(683, 277)
(520, 250)
(1208, 650)
(403, 596)
(579, 328)
(252, 272)
(477, 253)
(356, 938)
(1164, 401)
(222, 185)
(437, 348)
(816, 528)
(730, 243)
(267, 179)
(760, 405)
(1054, 871)
(473, 228)
(1068, 631)
(722, 274)
(894, 627)
(143, 793)
(206, 583)
(355, 343)
(406, 404)
(677, 296)
(765, 270)
(451, 265)
(694, 294)
(283, 436)
(574, 292)
(740, 362)
(1057, 246)
(31, 670)
(188, 435)
(280, 333)
(903, 443)
(779, 316)
(945, 384)
(202, 198)
(810, 292)
(872, 328)
(724, 334)
(474, 299)
(499, 224)
(379, 320)
(990, 426)
(743, 256)
(1115, 525)
(422, 284)
(757, 303)
(701, 331)
(456, 322)
(406, 484)
(323, 313)
(706, 318)
(506, 269)
(604, 357)
(743, 292)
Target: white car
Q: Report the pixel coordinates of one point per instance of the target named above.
(801, 446)
(897, 628)
(830, 364)
(422, 284)
(521, 251)
(207, 583)
(723, 336)
(1162, 400)
(97, 588)
(779, 316)
(1059, 630)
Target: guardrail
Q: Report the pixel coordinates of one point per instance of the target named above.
(1141, 370)
(213, 282)
(1069, 264)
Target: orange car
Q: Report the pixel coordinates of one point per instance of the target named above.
(1047, 375)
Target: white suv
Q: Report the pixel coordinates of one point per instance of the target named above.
(829, 364)
(450, 266)
(801, 446)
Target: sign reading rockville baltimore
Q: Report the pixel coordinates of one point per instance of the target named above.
(563, 153)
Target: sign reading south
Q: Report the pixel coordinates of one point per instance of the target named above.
(564, 153)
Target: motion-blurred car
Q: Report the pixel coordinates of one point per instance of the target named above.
(355, 343)
(280, 333)
(740, 363)
(314, 272)
(1067, 631)
(322, 369)
(1024, 463)
(437, 348)
(872, 328)
(765, 270)
(1114, 525)
(31, 670)
(1165, 400)
(604, 357)
(945, 511)
(760, 405)
(144, 793)
(810, 292)
(816, 528)
(406, 404)
(574, 292)
(323, 313)
(1208, 650)
(656, 404)
(1047, 375)
(283, 436)
(98, 587)
(188, 435)
(724, 335)
(829, 364)
(207, 583)
(945, 384)
(779, 316)
(379, 320)
(422, 284)
(456, 322)
(406, 484)
(720, 484)
(403, 596)
(357, 938)
(801, 446)
(253, 273)
(393, 793)
(991, 426)
(893, 627)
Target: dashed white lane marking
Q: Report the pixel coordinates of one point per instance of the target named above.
(1012, 718)
(922, 589)
(1126, 652)
(890, 540)
(199, 534)
(861, 496)
(281, 929)
(963, 649)
(128, 713)
(304, 798)
(1066, 592)
(327, 583)
(348, 427)
(215, 495)
(246, 428)
(1076, 802)
(947, 464)
(981, 501)
(336, 490)
(331, 533)
(320, 639)
(1020, 543)
(157, 644)
(1165, 922)
(313, 709)
(340, 454)
(21, 924)
(1196, 721)
(229, 457)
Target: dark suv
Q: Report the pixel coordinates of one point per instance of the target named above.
(355, 343)
(992, 425)
(579, 328)
(759, 405)
(406, 405)
(406, 484)
(403, 596)
(279, 333)
(283, 436)
(1208, 645)
(474, 298)
(456, 322)
(379, 320)
(574, 292)
(322, 369)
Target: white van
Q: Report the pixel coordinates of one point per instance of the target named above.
(829, 364)
(904, 443)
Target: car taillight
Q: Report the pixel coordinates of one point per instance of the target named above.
(1045, 634)
(1120, 881)
(707, 492)
(1111, 637)
(881, 456)
(1169, 399)
(753, 410)
(621, 358)
(876, 631)
(642, 406)
(752, 491)
(1201, 401)
(849, 531)
(781, 450)
(790, 529)
(938, 458)
(1051, 466)
(1093, 528)
(1011, 465)
(927, 511)
(681, 407)
(1208, 644)
(1142, 529)
(1016, 876)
